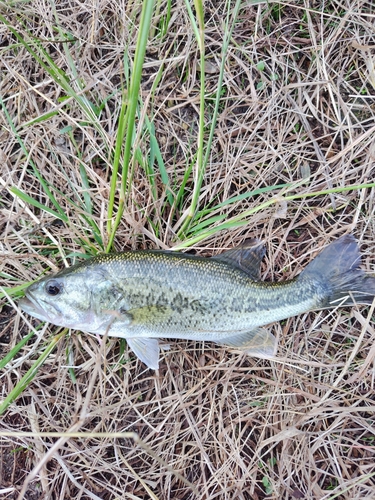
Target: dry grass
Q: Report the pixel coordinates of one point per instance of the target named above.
(297, 107)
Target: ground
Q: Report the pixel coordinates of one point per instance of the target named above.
(287, 94)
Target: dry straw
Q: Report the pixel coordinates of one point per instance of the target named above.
(234, 120)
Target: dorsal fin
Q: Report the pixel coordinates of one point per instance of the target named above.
(247, 257)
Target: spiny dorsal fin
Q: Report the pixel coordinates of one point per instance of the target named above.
(247, 257)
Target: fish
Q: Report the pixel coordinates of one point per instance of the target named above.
(146, 295)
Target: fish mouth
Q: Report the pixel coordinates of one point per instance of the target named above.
(32, 306)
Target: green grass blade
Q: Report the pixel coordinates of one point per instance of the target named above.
(121, 130)
(227, 39)
(36, 50)
(30, 374)
(155, 154)
(28, 199)
(15, 350)
(241, 197)
(202, 162)
(35, 170)
(14, 291)
(241, 219)
(129, 119)
(200, 165)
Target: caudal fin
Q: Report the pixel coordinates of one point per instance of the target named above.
(338, 265)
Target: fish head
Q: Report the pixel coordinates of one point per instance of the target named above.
(63, 299)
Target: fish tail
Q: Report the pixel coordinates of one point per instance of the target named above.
(338, 266)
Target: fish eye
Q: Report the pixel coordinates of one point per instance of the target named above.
(53, 287)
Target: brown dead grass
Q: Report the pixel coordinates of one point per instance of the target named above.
(232, 426)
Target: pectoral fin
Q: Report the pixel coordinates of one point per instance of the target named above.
(149, 315)
(258, 342)
(147, 351)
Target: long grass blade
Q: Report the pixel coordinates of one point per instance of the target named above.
(129, 108)
(30, 374)
(242, 218)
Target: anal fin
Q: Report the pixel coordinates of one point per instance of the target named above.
(147, 350)
(259, 343)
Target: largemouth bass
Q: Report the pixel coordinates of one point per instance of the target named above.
(145, 295)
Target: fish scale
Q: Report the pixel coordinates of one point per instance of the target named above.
(146, 295)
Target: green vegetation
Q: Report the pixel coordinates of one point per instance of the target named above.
(185, 126)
